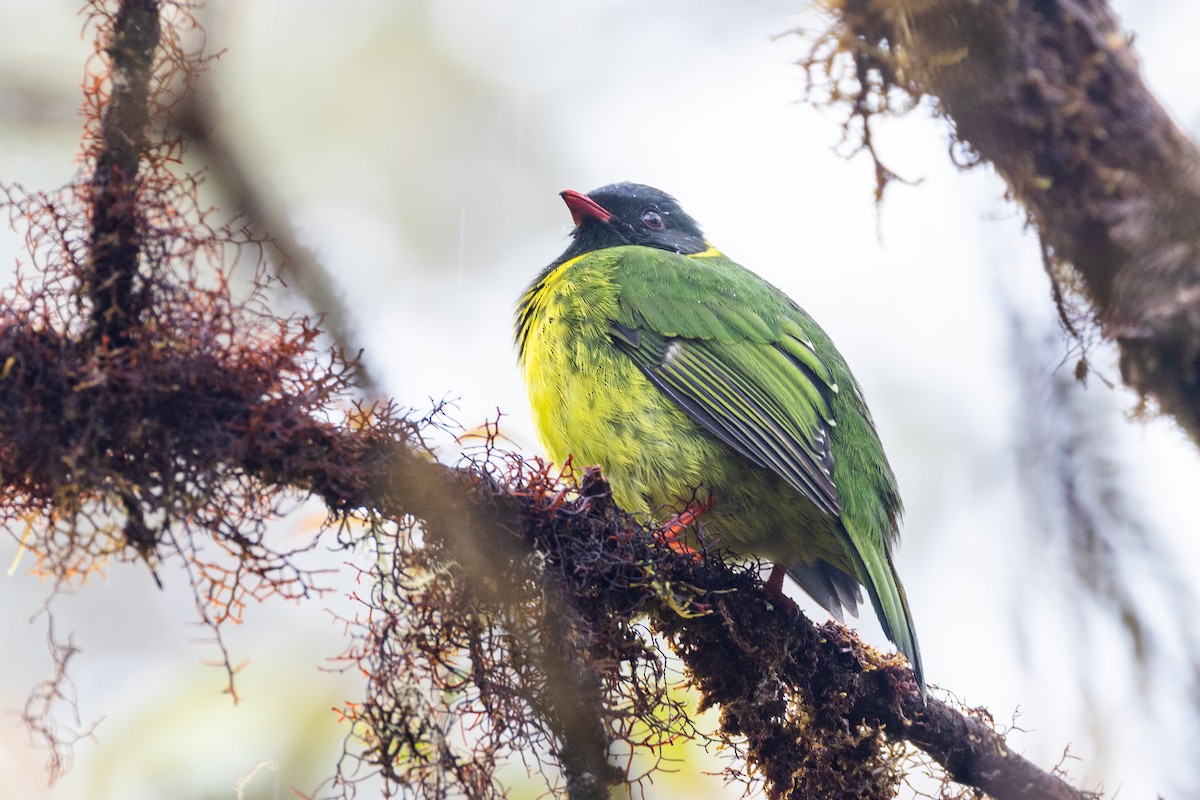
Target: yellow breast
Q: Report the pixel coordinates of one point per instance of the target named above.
(590, 401)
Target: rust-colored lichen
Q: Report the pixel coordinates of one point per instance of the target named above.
(147, 411)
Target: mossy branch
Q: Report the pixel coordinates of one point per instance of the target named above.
(1050, 93)
(753, 660)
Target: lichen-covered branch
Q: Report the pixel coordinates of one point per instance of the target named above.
(819, 712)
(814, 705)
(1050, 93)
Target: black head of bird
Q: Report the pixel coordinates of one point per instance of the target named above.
(630, 214)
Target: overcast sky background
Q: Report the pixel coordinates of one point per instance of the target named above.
(419, 148)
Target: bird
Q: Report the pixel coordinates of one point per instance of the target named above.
(685, 376)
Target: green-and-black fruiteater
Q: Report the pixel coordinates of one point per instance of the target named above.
(648, 352)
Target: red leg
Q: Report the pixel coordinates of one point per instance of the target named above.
(773, 588)
(670, 530)
(774, 584)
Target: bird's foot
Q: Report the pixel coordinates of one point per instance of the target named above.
(773, 588)
(680, 548)
(668, 533)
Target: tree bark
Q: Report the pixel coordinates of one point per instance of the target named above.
(1049, 92)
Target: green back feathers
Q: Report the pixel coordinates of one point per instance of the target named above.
(713, 339)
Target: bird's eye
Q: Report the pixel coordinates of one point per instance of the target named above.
(652, 220)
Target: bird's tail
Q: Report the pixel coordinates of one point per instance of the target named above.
(891, 606)
(836, 590)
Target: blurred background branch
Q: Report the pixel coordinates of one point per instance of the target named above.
(1051, 94)
(249, 196)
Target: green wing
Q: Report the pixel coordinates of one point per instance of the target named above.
(738, 356)
(724, 345)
